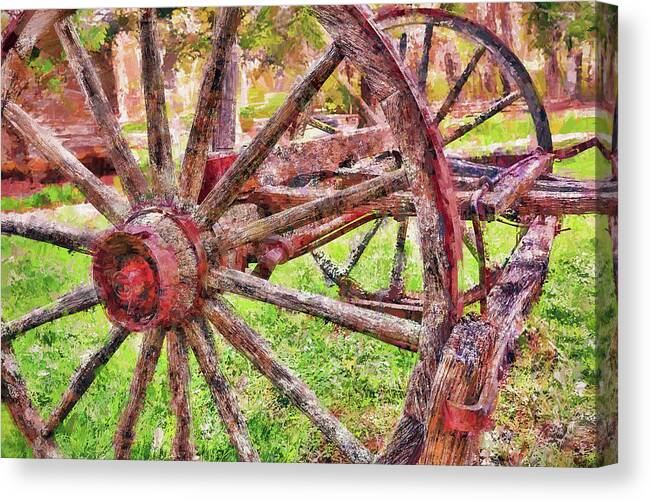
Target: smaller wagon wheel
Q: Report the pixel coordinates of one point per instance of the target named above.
(156, 271)
(491, 53)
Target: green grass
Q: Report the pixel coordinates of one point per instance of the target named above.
(52, 195)
(547, 411)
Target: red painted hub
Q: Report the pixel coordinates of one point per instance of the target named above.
(150, 271)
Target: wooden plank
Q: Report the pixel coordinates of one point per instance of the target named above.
(514, 183)
(178, 371)
(549, 196)
(495, 108)
(295, 217)
(456, 89)
(152, 342)
(14, 64)
(84, 377)
(455, 427)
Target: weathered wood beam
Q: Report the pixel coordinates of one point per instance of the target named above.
(103, 198)
(200, 337)
(327, 153)
(549, 196)
(21, 409)
(228, 187)
(125, 164)
(192, 170)
(495, 108)
(256, 349)
(152, 342)
(79, 299)
(472, 360)
(43, 230)
(159, 141)
(295, 217)
(178, 371)
(83, 378)
(392, 330)
(456, 89)
(514, 183)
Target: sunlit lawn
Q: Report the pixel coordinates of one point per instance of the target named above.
(546, 414)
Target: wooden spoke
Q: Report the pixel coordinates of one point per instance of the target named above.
(125, 164)
(334, 274)
(387, 328)
(316, 210)
(152, 342)
(358, 251)
(16, 53)
(179, 378)
(210, 94)
(75, 301)
(158, 131)
(498, 106)
(456, 89)
(424, 62)
(43, 230)
(256, 349)
(397, 285)
(225, 191)
(103, 198)
(23, 413)
(200, 337)
(84, 377)
(318, 124)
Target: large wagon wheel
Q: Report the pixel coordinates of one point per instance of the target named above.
(488, 52)
(156, 271)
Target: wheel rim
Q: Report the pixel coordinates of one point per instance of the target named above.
(393, 17)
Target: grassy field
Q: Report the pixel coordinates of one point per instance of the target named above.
(547, 408)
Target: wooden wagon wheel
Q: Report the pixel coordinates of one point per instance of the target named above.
(155, 270)
(518, 86)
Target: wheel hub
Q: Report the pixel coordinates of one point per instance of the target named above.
(150, 271)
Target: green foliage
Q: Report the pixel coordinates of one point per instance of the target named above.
(265, 109)
(92, 30)
(274, 34)
(568, 22)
